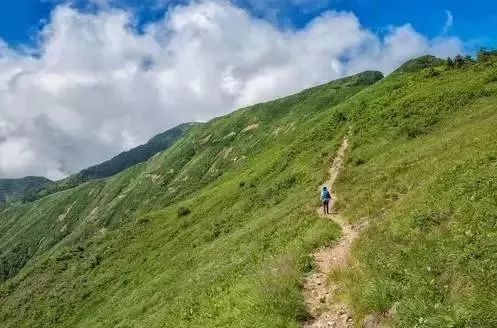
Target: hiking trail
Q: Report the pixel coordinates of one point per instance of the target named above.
(319, 292)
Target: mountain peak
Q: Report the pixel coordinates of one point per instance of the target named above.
(419, 63)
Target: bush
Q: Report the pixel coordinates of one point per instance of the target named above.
(431, 72)
(183, 211)
(486, 56)
(450, 63)
(356, 161)
(458, 61)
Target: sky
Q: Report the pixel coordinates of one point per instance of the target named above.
(82, 80)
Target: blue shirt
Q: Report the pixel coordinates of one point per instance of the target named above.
(325, 195)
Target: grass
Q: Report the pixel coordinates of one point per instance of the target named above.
(123, 252)
(423, 170)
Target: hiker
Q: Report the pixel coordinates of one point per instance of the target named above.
(325, 199)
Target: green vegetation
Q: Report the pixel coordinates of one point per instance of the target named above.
(124, 252)
(111, 167)
(217, 230)
(136, 155)
(486, 56)
(423, 171)
(29, 189)
(416, 65)
(183, 211)
(483, 56)
(13, 188)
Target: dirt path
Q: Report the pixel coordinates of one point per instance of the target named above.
(319, 293)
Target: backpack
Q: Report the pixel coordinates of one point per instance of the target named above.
(327, 195)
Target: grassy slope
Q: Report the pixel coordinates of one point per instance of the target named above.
(423, 170)
(139, 154)
(112, 166)
(14, 188)
(114, 252)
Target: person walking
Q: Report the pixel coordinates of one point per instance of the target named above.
(325, 200)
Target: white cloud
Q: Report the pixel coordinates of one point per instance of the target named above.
(449, 22)
(98, 86)
(17, 148)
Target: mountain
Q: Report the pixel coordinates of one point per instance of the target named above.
(113, 166)
(217, 230)
(125, 251)
(13, 188)
(136, 155)
(418, 64)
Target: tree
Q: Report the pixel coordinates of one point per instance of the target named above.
(459, 61)
(482, 55)
(486, 56)
(468, 59)
(450, 63)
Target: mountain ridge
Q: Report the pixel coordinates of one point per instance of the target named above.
(12, 188)
(113, 166)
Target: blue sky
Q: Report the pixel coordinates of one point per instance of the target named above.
(474, 21)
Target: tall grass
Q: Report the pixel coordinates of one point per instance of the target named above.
(423, 171)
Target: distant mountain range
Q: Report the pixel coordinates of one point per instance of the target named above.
(31, 188)
(136, 155)
(13, 188)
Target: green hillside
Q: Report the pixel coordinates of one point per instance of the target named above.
(111, 167)
(217, 230)
(13, 188)
(136, 155)
(213, 232)
(423, 172)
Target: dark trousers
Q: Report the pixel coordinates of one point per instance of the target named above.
(326, 206)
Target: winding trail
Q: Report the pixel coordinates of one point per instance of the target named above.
(319, 293)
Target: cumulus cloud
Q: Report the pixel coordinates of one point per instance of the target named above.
(97, 86)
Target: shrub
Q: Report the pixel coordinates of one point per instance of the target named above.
(431, 72)
(143, 220)
(459, 61)
(356, 161)
(450, 63)
(183, 211)
(486, 56)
